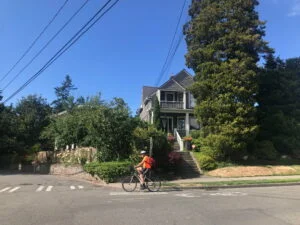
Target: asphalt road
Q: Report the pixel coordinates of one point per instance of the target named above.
(50, 200)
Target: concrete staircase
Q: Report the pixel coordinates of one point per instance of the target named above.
(188, 167)
(176, 147)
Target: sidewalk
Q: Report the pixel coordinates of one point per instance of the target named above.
(205, 182)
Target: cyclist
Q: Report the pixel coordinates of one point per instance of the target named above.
(143, 167)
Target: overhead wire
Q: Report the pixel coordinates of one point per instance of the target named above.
(35, 40)
(71, 42)
(46, 45)
(171, 47)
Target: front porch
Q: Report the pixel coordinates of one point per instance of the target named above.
(179, 125)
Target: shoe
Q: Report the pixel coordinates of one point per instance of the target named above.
(142, 187)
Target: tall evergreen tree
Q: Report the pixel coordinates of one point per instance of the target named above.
(64, 99)
(278, 105)
(225, 40)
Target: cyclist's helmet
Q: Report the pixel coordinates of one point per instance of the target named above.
(143, 152)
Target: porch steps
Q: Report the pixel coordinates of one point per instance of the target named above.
(176, 146)
(188, 167)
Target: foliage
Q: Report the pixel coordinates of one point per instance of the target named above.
(64, 99)
(33, 116)
(156, 113)
(9, 132)
(107, 127)
(74, 157)
(278, 104)
(224, 40)
(265, 150)
(205, 161)
(161, 147)
(108, 171)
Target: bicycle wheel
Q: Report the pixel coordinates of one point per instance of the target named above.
(129, 183)
(153, 184)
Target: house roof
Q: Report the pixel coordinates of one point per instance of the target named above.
(148, 91)
(178, 82)
(184, 78)
(181, 80)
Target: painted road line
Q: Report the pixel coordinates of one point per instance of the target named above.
(14, 189)
(80, 187)
(137, 193)
(72, 187)
(5, 189)
(40, 188)
(49, 188)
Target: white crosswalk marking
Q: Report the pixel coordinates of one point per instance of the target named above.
(80, 187)
(72, 187)
(40, 188)
(4, 189)
(49, 188)
(14, 189)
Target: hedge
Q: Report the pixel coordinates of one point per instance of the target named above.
(205, 161)
(108, 171)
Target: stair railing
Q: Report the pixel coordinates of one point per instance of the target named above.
(178, 138)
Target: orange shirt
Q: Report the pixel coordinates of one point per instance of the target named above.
(146, 163)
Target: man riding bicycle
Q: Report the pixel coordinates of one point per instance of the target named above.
(143, 167)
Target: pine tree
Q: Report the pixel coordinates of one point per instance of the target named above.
(64, 99)
(224, 39)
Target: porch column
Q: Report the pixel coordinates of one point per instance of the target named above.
(187, 124)
(158, 95)
(184, 100)
(152, 114)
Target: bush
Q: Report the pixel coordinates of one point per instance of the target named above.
(108, 171)
(265, 150)
(205, 161)
(197, 144)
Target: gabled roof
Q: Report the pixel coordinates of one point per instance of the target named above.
(184, 78)
(148, 91)
(181, 80)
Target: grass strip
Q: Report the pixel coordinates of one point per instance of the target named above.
(232, 183)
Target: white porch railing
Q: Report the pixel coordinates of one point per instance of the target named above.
(179, 140)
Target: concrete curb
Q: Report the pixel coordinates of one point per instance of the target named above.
(231, 186)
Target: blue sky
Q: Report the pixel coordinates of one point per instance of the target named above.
(123, 52)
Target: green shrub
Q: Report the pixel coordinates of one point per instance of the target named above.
(195, 134)
(265, 150)
(108, 171)
(205, 161)
(197, 143)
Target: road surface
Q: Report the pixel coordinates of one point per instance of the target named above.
(51, 200)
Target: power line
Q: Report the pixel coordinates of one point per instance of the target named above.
(72, 41)
(45, 46)
(36, 39)
(180, 38)
(163, 69)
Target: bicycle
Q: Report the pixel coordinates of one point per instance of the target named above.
(152, 183)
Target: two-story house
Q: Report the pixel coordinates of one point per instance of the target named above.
(176, 105)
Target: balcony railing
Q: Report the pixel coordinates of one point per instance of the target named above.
(171, 105)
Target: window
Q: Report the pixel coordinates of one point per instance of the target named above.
(170, 97)
(162, 96)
